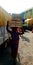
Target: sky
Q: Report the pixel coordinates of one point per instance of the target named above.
(16, 6)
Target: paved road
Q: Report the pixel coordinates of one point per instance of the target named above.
(26, 48)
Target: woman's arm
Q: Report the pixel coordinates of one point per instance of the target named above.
(7, 27)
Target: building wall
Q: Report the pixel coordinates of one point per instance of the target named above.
(29, 14)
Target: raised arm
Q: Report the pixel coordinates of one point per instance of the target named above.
(7, 27)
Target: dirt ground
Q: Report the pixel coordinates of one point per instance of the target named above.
(26, 48)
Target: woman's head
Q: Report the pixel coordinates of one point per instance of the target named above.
(14, 29)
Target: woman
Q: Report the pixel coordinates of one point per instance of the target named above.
(15, 40)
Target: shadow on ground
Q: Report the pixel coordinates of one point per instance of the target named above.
(25, 39)
(5, 57)
(27, 31)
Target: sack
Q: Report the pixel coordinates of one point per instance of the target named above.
(17, 23)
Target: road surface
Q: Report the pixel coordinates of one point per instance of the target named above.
(26, 48)
(25, 51)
